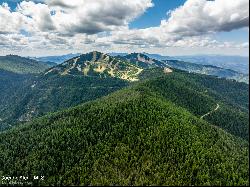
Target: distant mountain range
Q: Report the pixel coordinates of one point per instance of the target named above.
(142, 60)
(152, 60)
(106, 65)
(208, 70)
(236, 63)
(18, 64)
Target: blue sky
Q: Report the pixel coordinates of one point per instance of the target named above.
(136, 27)
(153, 16)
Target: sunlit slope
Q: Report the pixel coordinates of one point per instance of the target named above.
(99, 65)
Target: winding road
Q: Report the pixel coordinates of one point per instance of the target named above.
(217, 107)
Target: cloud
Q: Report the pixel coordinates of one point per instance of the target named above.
(189, 25)
(13, 42)
(18, 1)
(153, 38)
(198, 17)
(72, 17)
(37, 16)
(63, 3)
(92, 17)
(81, 16)
(54, 24)
(10, 22)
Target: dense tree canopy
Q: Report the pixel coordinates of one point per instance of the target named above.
(132, 137)
(173, 128)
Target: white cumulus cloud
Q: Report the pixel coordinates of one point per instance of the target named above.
(189, 25)
(197, 17)
(10, 21)
(76, 24)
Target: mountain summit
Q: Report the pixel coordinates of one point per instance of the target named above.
(143, 60)
(98, 64)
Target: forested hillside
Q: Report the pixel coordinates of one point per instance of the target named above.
(21, 65)
(131, 137)
(169, 128)
(11, 85)
(200, 94)
(124, 93)
(49, 93)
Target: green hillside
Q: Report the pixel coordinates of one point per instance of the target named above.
(200, 94)
(131, 137)
(10, 85)
(21, 65)
(36, 96)
(77, 80)
(221, 102)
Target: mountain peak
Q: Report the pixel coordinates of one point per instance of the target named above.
(98, 64)
(93, 56)
(142, 60)
(94, 53)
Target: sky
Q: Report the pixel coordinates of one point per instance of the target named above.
(167, 27)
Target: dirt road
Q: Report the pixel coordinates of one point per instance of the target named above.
(217, 107)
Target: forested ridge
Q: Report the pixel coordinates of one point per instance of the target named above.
(140, 135)
(22, 65)
(200, 94)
